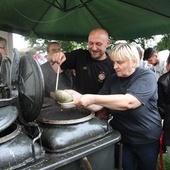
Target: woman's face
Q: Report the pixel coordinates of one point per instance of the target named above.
(124, 68)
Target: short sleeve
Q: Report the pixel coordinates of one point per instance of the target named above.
(144, 87)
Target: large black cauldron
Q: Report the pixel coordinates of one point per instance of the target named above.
(73, 138)
(16, 148)
(70, 128)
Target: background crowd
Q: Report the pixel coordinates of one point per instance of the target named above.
(128, 82)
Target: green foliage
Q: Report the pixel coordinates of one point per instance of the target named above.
(40, 44)
(68, 46)
(142, 41)
(164, 43)
(32, 51)
(166, 162)
(36, 43)
(21, 53)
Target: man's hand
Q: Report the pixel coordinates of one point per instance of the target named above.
(59, 58)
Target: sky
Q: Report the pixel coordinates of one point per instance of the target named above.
(18, 42)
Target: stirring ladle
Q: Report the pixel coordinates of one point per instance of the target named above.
(57, 78)
(61, 95)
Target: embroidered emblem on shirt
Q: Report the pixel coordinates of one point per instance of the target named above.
(85, 68)
(101, 76)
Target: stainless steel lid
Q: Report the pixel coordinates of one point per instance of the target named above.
(30, 88)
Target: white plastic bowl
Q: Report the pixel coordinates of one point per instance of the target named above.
(67, 105)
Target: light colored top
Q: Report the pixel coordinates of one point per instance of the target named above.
(160, 68)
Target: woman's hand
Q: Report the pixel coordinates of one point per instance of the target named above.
(84, 100)
(76, 95)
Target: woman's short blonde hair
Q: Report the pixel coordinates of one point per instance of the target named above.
(123, 52)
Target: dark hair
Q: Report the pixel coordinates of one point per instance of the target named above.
(54, 42)
(3, 39)
(148, 53)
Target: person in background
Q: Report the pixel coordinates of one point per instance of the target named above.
(49, 70)
(142, 63)
(158, 60)
(3, 48)
(92, 66)
(164, 105)
(42, 59)
(131, 97)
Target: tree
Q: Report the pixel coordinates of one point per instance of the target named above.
(40, 44)
(142, 41)
(164, 43)
(68, 46)
(36, 43)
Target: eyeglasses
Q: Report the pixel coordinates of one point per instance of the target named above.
(55, 50)
(4, 48)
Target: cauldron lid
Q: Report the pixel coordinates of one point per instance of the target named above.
(9, 70)
(8, 115)
(5, 80)
(5, 71)
(31, 87)
(15, 67)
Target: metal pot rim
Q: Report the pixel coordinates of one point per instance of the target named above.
(66, 122)
(7, 101)
(11, 135)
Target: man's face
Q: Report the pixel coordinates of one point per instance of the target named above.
(97, 44)
(3, 49)
(124, 68)
(153, 60)
(168, 67)
(53, 48)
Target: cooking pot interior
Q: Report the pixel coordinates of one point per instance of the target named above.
(55, 115)
(9, 133)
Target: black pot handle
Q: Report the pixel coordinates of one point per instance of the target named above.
(108, 122)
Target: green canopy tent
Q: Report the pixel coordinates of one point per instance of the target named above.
(73, 19)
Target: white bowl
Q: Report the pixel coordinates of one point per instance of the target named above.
(67, 105)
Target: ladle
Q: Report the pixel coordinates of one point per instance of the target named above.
(61, 95)
(57, 78)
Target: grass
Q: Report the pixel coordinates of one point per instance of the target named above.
(166, 162)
